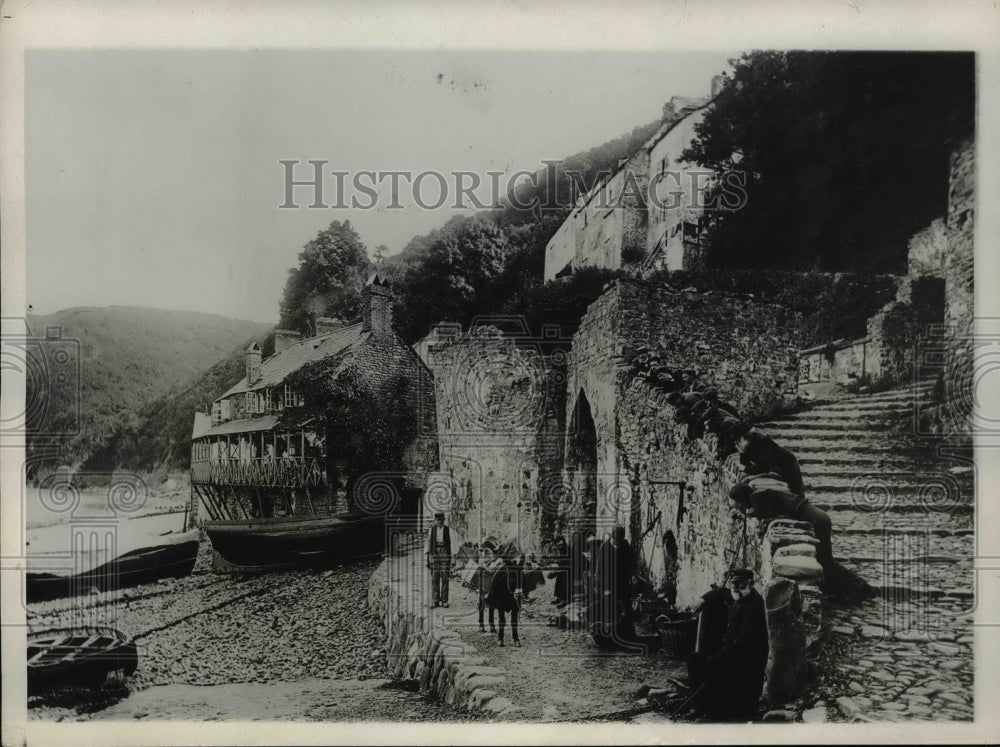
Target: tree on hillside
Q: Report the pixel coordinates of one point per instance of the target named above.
(332, 270)
(845, 155)
(451, 279)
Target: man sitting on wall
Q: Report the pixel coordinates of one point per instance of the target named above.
(768, 496)
(760, 454)
(728, 683)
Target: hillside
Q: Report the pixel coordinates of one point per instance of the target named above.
(158, 436)
(128, 357)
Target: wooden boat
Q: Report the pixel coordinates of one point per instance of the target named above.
(62, 572)
(75, 656)
(297, 540)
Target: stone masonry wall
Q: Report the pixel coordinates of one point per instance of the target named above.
(960, 286)
(419, 646)
(498, 411)
(742, 348)
(399, 377)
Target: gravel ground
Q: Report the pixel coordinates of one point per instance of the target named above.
(559, 675)
(257, 631)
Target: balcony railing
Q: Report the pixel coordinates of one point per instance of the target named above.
(289, 472)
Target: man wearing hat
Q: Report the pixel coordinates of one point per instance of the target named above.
(729, 682)
(439, 559)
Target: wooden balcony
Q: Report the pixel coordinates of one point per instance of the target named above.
(282, 472)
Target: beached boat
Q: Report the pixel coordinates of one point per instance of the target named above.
(291, 541)
(78, 656)
(111, 562)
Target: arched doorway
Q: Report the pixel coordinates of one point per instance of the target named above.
(581, 465)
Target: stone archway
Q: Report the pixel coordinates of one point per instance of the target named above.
(581, 465)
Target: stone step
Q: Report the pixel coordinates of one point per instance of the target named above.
(898, 511)
(781, 426)
(915, 528)
(833, 436)
(853, 465)
(934, 489)
(834, 445)
(904, 545)
(851, 520)
(840, 415)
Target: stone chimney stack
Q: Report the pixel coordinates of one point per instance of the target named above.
(253, 364)
(325, 325)
(376, 307)
(718, 82)
(283, 338)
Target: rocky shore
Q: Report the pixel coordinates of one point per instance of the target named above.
(259, 631)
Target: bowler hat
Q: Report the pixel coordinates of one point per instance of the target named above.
(439, 514)
(741, 575)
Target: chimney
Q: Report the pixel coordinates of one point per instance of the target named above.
(284, 338)
(669, 112)
(253, 364)
(718, 81)
(325, 325)
(376, 307)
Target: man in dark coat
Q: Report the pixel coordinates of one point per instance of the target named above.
(729, 682)
(760, 454)
(613, 605)
(438, 552)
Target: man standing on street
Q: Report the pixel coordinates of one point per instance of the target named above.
(439, 559)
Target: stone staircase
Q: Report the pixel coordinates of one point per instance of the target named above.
(903, 512)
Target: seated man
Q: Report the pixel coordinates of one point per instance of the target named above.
(728, 683)
(760, 454)
(768, 496)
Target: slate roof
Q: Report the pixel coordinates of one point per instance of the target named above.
(278, 366)
(242, 425)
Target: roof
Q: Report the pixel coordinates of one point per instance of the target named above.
(274, 369)
(242, 425)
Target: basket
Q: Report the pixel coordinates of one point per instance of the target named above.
(678, 634)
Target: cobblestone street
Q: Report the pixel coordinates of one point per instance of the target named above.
(902, 518)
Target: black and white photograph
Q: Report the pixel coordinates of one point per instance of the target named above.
(433, 374)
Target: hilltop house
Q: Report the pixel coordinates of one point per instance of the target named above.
(246, 463)
(647, 213)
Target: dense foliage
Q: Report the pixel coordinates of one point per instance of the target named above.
(365, 430)
(844, 155)
(327, 282)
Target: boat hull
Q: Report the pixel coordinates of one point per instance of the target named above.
(276, 543)
(141, 566)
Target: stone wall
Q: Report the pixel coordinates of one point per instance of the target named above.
(928, 251)
(959, 287)
(499, 403)
(623, 468)
(400, 379)
(419, 646)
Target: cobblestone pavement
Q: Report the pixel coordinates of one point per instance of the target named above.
(902, 508)
(557, 674)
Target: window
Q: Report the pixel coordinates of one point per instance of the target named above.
(265, 400)
(251, 403)
(290, 398)
(216, 412)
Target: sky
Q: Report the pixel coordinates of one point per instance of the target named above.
(153, 176)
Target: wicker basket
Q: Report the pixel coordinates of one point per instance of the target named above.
(678, 635)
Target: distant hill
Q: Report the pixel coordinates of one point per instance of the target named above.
(158, 436)
(128, 357)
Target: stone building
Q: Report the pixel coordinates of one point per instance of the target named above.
(499, 407)
(648, 212)
(245, 462)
